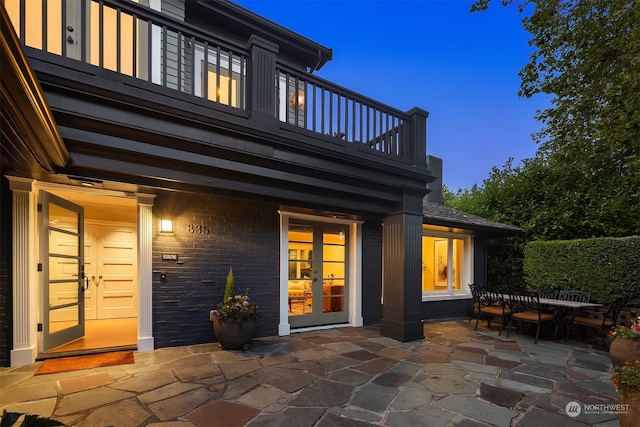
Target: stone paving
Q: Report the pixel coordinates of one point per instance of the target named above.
(338, 377)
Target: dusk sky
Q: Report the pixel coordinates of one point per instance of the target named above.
(462, 67)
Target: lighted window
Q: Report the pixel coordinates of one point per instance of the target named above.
(224, 77)
(446, 263)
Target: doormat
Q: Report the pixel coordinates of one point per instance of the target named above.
(76, 363)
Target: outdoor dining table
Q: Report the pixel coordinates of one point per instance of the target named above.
(564, 307)
(568, 304)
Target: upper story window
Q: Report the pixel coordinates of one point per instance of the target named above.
(154, 49)
(446, 262)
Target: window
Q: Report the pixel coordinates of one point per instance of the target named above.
(446, 263)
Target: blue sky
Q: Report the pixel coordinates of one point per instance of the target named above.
(462, 67)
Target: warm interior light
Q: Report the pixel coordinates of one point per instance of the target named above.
(166, 226)
(297, 99)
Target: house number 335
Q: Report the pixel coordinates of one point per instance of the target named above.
(198, 229)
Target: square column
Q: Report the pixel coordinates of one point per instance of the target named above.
(402, 276)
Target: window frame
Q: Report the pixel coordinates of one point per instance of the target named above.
(449, 293)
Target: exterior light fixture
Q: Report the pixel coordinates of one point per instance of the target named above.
(297, 99)
(166, 226)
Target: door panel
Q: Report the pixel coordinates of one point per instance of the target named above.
(112, 271)
(62, 257)
(317, 286)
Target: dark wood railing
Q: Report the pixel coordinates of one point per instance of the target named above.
(317, 105)
(147, 45)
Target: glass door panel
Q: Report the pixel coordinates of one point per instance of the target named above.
(300, 282)
(317, 284)
(62, 249)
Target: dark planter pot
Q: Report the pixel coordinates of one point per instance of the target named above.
(623, 349)
(233, 336)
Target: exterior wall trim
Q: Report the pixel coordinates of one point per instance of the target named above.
(145, 272)
(25, 287)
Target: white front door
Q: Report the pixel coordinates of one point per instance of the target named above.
(110, 266)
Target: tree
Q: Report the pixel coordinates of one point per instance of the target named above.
(584, 179)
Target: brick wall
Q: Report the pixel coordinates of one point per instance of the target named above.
(5, 273)
(371, 272)
(211, 234)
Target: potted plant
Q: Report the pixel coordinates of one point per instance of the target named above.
(626, 343)
(626, 379)
(235, 321)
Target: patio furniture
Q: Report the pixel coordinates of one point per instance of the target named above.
(566, 313)
(526, 308)
(476, 291)
(492, 304)
(574, 295)
(547, 293)
(602, 321)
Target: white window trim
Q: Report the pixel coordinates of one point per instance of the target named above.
(454, 294)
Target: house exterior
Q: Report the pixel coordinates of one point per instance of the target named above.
(149, 146)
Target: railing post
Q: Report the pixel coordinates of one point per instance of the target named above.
(414, 145)
(262, 81)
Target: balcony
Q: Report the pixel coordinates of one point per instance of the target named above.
(153, 51)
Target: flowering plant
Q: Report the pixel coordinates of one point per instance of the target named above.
(627, 332)
(234, 308)
(626, 378)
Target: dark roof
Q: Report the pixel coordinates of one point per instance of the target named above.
(435, 214)
(238, 20)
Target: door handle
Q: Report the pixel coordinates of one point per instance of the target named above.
(86, 283)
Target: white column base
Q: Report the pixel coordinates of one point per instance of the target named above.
(23, 357)
(145, 344)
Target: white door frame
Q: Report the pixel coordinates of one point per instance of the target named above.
(25, 283)
(354, 274)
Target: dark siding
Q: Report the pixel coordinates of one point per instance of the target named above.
(6, 312)
(480, 261)
(446, 309)
(243, 235)
(371, 272)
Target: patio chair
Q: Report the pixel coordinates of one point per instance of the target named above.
(492, 304)
(476, 293)
(599, 320)
(565, 315)
(547, 293)
(574, 295)
(526, 308)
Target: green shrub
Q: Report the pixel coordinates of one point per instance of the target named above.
(606, 267)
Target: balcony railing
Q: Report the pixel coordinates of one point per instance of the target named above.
(317, 105)
(137, 41)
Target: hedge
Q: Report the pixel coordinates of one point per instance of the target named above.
(606, 267)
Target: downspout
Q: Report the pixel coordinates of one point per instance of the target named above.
(317, 62)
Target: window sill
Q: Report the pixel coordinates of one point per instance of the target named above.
(438, 296)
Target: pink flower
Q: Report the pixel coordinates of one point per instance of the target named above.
(636, 327)
(245, 303)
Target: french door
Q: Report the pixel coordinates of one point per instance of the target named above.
(62, 265)
(317, 276)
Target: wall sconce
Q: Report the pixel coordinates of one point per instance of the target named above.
(166, 226)
(297, 99)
